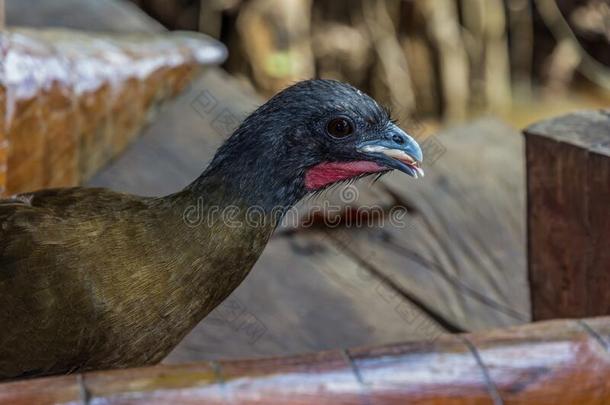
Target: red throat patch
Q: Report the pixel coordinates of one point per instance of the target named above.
(326, 173)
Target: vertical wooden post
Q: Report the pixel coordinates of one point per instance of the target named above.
(568, 213)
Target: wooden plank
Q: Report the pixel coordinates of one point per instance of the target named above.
(531, 364)
(75, 100)
(568, 173)
(88, 15)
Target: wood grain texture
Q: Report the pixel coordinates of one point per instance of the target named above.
(531, 364)
(74, 100)
(568, 160)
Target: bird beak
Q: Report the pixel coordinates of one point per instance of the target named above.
(396, 150)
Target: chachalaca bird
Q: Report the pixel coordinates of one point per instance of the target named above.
(96, 279)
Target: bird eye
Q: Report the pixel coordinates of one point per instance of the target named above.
(339, 127)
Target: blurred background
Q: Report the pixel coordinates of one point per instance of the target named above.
(427, 59)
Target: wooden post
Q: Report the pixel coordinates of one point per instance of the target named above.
(568, 211)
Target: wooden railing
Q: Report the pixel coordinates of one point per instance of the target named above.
(552, 362)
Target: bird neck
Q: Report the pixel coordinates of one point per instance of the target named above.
(262, 182)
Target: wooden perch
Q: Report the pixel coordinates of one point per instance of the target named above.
(529, 364)
(568, 180)
(71, 100)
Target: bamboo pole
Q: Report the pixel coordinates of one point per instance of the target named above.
(555, 362)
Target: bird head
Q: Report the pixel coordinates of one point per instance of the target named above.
(314, 134)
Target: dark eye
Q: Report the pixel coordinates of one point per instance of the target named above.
(339, 127)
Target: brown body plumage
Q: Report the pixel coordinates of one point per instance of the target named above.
(91, 279)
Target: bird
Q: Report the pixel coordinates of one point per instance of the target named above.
(96, 279)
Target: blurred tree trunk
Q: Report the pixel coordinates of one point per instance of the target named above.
(210, 17)
(276, 37)
(485, 32)
(497, 68)
(421, 59)
(391, 81)
(444, 30)
(522, 41)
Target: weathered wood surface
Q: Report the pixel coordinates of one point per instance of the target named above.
(89, 15)
(556, 362)
(568, 181)
(72, 101)
(461, 255)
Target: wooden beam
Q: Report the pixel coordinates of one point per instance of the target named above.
(60, 137)
(529, 364)
(568, 192)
